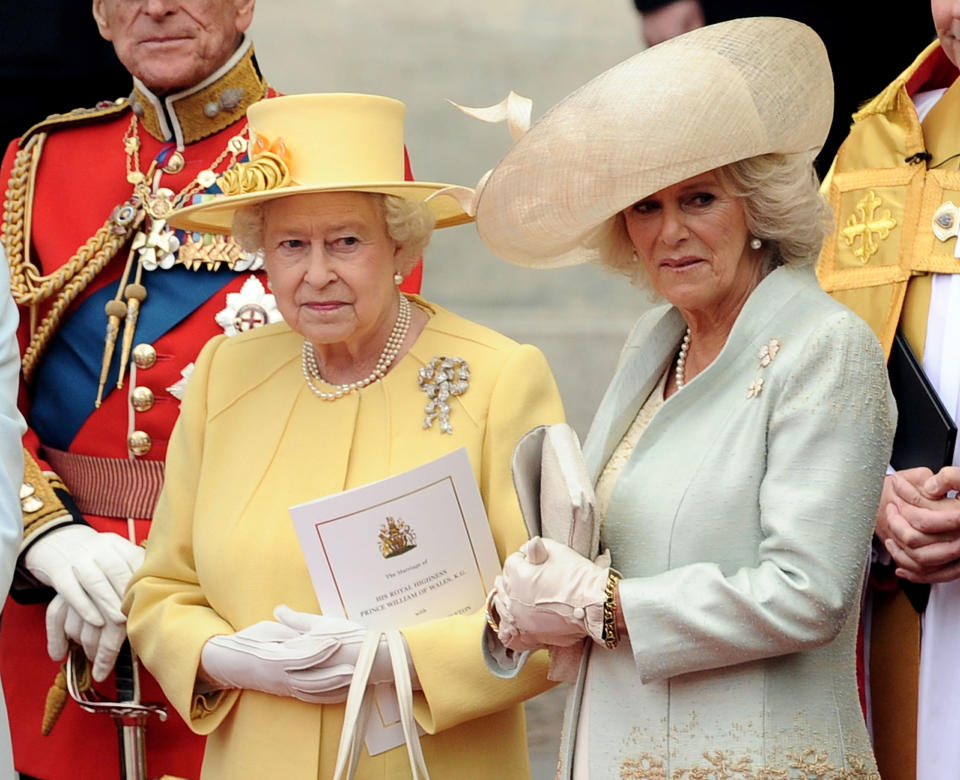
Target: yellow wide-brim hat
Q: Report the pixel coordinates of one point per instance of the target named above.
(691, 104)
(330, 142)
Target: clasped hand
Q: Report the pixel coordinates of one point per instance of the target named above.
(919, 523)
(549, 595)
(301, 655)
(89, 571)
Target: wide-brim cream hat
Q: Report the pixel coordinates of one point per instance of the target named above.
(329, 142)
(691, 104)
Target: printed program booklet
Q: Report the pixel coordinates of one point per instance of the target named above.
(412, 547)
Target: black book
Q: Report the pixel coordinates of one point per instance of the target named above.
(926, 433)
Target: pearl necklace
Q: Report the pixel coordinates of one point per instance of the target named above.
(682, 359)
(311, 371)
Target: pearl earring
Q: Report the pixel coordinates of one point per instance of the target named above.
(398, 279)
(755, 243)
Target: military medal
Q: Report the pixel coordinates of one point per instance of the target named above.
(250, 308)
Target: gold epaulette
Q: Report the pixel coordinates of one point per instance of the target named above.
(77, 116)
(28, 285)
(40, 505)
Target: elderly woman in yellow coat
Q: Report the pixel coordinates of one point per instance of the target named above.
(223, 608)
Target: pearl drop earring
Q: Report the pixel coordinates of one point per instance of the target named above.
(398, 279)
(755, 243)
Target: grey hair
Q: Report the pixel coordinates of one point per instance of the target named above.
(783, 206)
(409, 224)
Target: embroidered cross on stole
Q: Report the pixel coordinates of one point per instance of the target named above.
(897, 215)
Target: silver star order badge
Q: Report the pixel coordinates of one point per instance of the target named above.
(250, 308)
(440, 379)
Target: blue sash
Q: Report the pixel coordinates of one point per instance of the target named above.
(65, 383)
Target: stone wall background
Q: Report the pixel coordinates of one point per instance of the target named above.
(424, 52)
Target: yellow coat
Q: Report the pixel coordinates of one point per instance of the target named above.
(253, 440)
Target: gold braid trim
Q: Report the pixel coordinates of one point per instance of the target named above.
(40, 505)
(28, 286)
(78, 116)
(12, 231)
(99, 249)
(94, 265)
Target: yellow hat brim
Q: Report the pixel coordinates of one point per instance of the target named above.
(216, 216)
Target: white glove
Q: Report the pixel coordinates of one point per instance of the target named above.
(101, 644)
(334, 675)
(273, 658)
(88, 568)
(89, 571)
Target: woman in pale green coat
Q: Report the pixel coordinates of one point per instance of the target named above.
(739, 452)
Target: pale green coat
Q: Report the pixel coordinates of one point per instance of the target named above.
(742, 524)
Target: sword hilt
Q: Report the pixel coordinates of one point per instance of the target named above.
(129, 714)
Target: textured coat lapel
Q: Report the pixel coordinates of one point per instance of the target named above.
(653, 343)
(648, 350)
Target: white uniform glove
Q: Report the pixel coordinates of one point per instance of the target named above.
(89, 571)
(274, 658)
(101, 644)
(88, 568)
(549, 595)
(334, 676)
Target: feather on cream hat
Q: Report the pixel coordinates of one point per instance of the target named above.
(691, 104)
(326, 142)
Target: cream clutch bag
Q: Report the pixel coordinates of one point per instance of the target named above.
(557, 502)
(554, 490)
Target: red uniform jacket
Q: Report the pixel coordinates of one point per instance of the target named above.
(81, 179)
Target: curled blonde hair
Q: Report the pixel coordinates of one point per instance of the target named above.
(783, 207)
(409, 224)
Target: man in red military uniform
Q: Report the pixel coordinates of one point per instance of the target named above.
(115, 307)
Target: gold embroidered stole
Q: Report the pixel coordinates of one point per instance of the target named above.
(885, 199)
(895, 197)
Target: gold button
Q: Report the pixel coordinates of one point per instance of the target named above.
(32, 504)
(144, 355)
(139, 442)
(142, 398)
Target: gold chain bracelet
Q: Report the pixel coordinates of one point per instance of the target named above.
(611, 637)
(488, 610)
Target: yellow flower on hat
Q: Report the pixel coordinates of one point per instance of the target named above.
(265, 171)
